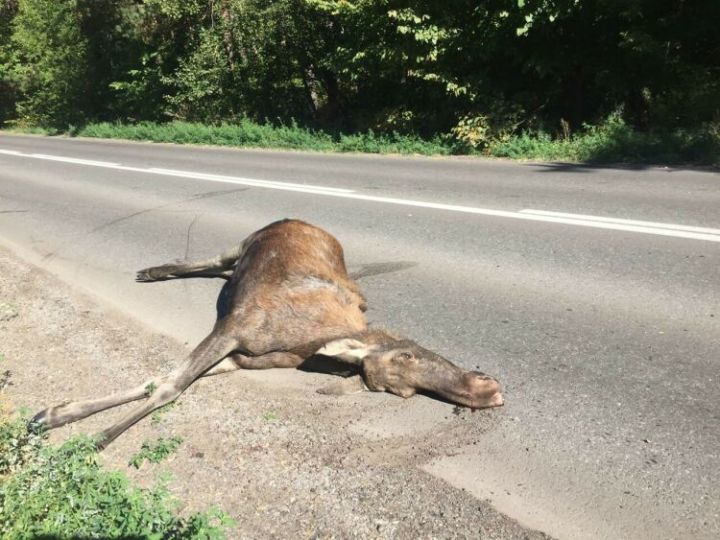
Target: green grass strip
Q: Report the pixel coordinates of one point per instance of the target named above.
(613, 141)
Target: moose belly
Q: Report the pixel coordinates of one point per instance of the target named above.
(298, 318)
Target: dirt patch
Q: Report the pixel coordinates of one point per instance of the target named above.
(279, 458)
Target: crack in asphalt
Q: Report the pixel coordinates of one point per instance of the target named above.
(196, 197)
(189, 231)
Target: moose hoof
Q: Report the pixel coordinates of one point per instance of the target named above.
(144, 275)
(496, 400)
(351, 385)
(102, 441)
(39, 419)
(38, 423)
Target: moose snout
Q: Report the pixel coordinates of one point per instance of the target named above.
(482, 390)
(469, 388)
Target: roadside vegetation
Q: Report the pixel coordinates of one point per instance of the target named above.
(613, 141)
(49, 491)
(510, 78)
(256, 135)
(155, 452)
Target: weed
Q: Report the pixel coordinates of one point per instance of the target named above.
(613, 141)
(270, 416)
(7, 311)
(61, 492)
(18, 445)
(155, 452)
(5, 377)
(156, 416)
(150, 389)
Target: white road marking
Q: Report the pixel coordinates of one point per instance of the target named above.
(245, 181)
(528, 214)
(621, 221)
(710, 237)
(268, 184)
(74, 160)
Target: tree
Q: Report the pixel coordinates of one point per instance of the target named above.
(8, 9)
(252, 58)
(49, 62)
(479, 70)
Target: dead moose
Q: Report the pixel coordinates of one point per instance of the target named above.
(289, 301)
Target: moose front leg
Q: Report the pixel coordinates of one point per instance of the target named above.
(210, 352)
(173, 385)
(219, 266)
(344, 387)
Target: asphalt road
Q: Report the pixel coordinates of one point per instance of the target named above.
(603, 325)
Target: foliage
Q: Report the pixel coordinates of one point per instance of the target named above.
(62, 492)
(155, 452)
(612, 141)
(615, 142)
(156, 416)
(49, 62)
(247, 62)
(18, 444)
(8, 10)
(479, 75)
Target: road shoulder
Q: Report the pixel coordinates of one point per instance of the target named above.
(263, 446)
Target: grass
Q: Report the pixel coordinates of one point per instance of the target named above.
(251, 134)
(612, 141)
(156, 417)
(615, 142)
(7, 311)
(155, 452)
(61, 491)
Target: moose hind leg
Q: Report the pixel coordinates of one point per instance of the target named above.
(219, 266)
(211, 351)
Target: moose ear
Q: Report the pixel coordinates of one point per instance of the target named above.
(347, 349)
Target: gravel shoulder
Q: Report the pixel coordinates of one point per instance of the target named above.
(263, 446)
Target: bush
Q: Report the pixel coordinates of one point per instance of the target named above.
(155, 452)
(614, 141)
(61, 492)
(48, 65)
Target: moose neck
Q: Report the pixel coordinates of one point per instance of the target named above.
(376, 336)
